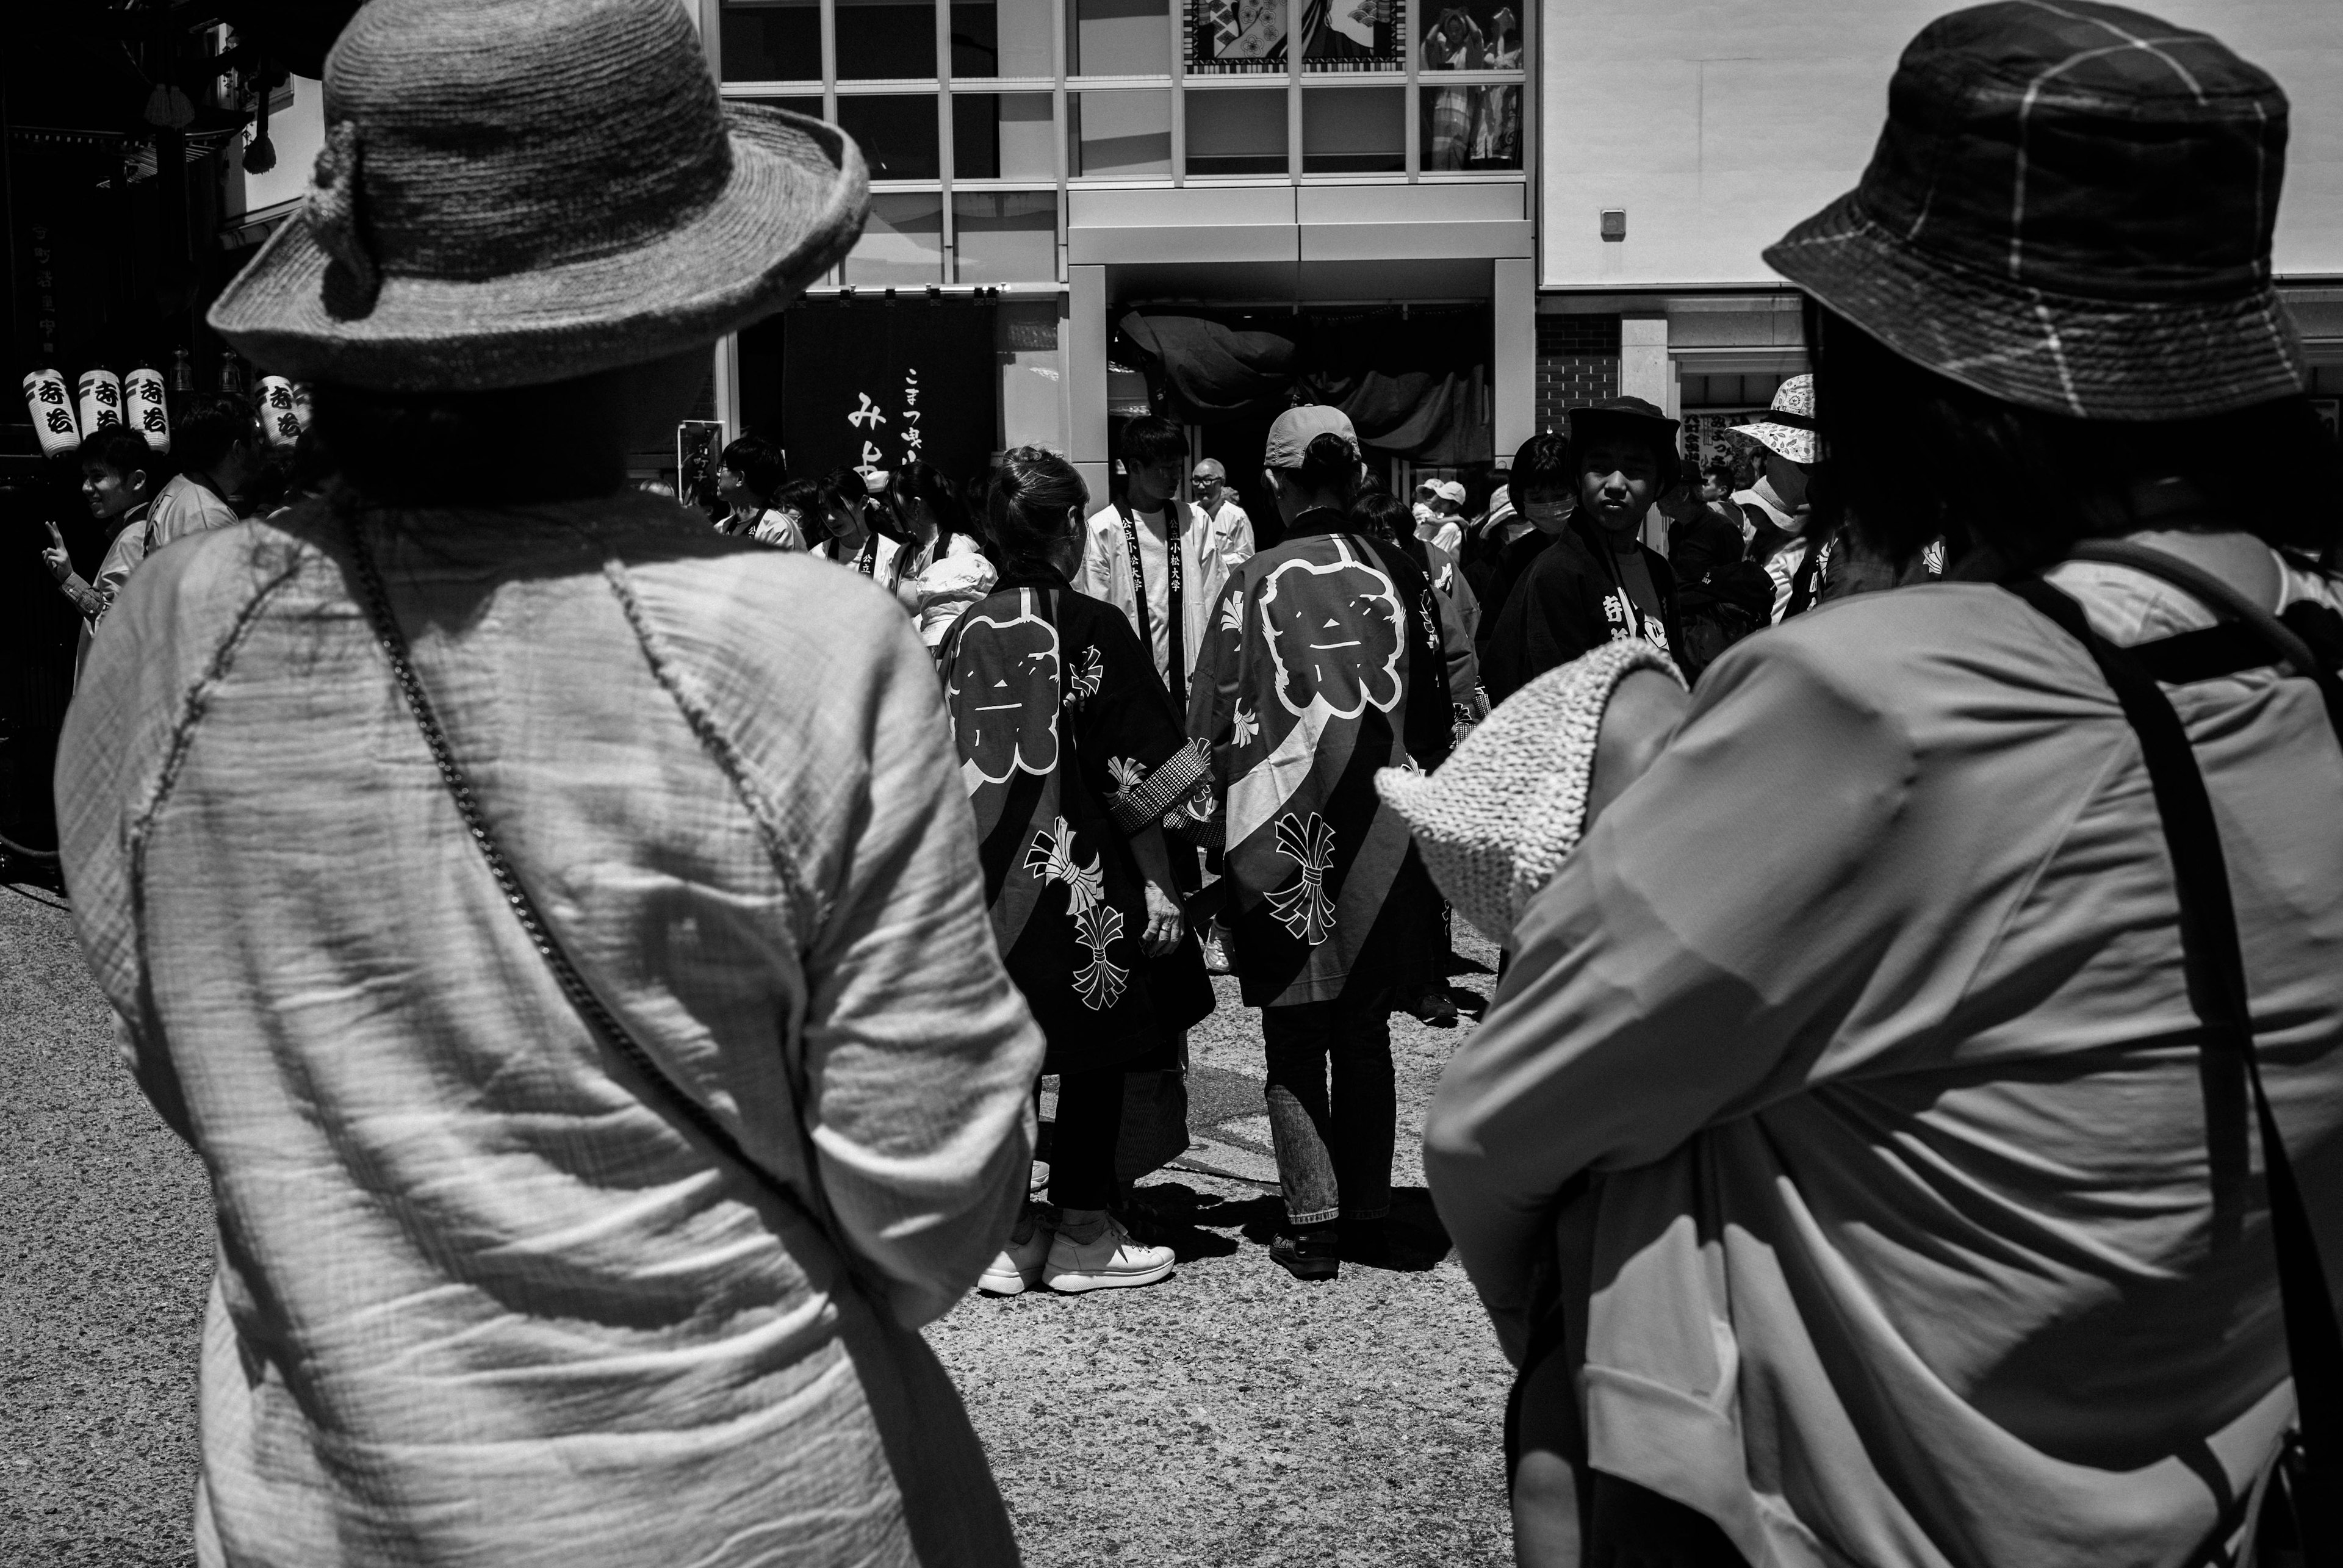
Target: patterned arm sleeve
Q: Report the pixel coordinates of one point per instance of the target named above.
(83, 598)
(1169, 786)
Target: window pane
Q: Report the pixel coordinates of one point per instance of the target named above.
(902, 243)
(1001, 38)
(1472, 128)
(1006, 237)
(1119, 136)
(810, 107)
(1352, 130)
(1472, 36)
(771, 40)
(1120, 38)
(897, 134)
(885, 38)
(1240, 132)
(1003, 135)
(1353, 35)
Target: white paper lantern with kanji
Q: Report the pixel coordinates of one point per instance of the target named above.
(279, 415)
(143, 410)
(52, 409)
(100, 400)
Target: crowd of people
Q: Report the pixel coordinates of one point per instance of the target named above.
(608, 962)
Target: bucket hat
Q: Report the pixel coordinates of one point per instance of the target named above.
(508, 197)
(1789, 427)
(2070, 208)
(1493, 824)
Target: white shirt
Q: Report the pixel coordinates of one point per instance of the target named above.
(1105, 574)
(1233, 535)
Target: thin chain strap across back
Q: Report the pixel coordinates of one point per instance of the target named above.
(599, 1018)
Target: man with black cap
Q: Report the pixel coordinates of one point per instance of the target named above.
(1596, 582)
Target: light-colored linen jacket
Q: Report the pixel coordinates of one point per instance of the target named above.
(479, 1299)
(1864, 1007)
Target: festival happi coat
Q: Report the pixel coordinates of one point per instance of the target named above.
(1324, 664)
(1069, 745)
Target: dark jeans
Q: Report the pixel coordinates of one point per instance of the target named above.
(1081, 1144)
(1333, 1157)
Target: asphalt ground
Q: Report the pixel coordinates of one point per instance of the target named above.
(1229, 1415)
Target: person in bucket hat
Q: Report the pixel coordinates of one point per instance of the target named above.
(558, 926)
(1856, 1161)
(1777, 509)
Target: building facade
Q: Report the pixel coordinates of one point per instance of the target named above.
(1678, 138)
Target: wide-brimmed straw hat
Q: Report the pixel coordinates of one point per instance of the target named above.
(1511, 800)
(2070, 208)
(1789, 426)
(513, 194)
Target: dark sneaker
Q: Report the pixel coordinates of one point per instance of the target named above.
(1434, 1009)
(1311, 1254)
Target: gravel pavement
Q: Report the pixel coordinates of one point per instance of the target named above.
(1229, 1415)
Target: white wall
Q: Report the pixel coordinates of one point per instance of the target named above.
(1718, 124)
(298, 134)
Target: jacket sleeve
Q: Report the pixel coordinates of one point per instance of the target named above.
(1556, 619)
(919, 1053)
(1678, 968)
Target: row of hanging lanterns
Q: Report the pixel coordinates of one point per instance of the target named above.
(136, 400)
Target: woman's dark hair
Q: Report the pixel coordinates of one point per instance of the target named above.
(1379, 515)
(1543, 463)
(802, 499)
(1025, 509)
(1330, 466)
(925, 482)
(427, 448)
(2024, 485)
(763, 466)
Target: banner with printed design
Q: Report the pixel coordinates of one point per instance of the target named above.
(873, 385)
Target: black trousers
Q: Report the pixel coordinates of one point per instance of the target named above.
(1082, 1141)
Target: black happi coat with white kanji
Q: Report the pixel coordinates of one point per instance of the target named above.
(1324, 665)
(1069, 745)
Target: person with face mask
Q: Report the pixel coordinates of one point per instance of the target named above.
(1596, 581)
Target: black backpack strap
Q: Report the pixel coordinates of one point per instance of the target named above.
(2213, 960)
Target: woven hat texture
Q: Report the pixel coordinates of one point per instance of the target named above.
(1493, 824)
(513, 194)
(1791, 429)
(2070, 208)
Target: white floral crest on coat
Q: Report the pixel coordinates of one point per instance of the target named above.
(1083, 676)
(1097, 923)
(1304, 909)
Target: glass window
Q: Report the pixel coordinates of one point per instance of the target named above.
(1001, 38)
(897, 134)
(1004, 135)
(1120, 37)
(885, 38)
(810, 107)
(1352, 35)
(1472, 128)
(1006, 237)
(903, 243)
(1472, 36)
(1354, 130)
(771, 40)
(1235, 37)
(1119, 135)
(1237, 132)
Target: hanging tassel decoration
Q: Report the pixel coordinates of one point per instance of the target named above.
(260, 157)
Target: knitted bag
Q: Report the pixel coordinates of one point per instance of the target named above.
(1510, 802)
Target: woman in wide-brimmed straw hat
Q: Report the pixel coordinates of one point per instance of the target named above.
(558, 927)
(1862, 1159)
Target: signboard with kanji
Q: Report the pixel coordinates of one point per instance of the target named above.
(875, 385)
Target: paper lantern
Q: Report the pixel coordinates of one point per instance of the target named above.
(278, 416)
(100, 400)
(53, 414)
(143, 410)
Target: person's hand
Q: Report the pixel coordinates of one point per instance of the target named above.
(1165, 924)
(60, 565)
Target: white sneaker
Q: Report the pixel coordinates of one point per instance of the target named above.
(1110, 1261)
(1216, 943)
(1018, 1267)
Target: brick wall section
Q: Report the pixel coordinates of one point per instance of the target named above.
(1577, 362)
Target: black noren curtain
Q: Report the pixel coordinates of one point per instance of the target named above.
(1416, 387)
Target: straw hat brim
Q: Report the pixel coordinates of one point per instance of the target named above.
(793, 205)
(2086, 357)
